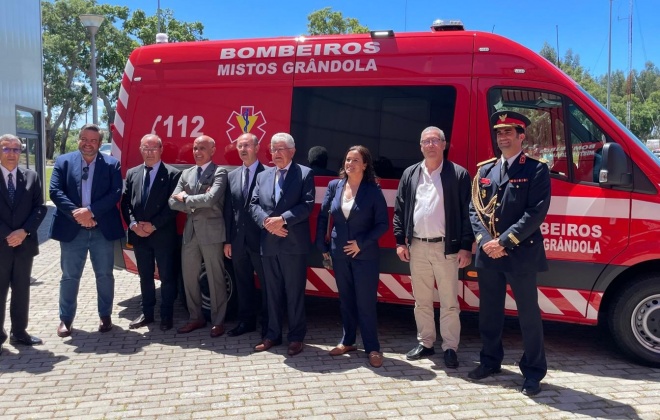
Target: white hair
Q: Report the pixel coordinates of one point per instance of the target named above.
(285, 137)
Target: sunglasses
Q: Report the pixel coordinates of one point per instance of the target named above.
(85, 173)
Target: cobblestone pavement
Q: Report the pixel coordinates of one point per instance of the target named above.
(150, 374)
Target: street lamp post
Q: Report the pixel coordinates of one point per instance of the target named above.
(92, 23)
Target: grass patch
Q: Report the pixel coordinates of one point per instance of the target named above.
(49, 173)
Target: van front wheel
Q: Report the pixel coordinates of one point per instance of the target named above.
(635, 320)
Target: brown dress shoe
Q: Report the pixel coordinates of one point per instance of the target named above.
(64, 330)
(217, 331)
(295, 347)
(266, 344)
(105, 324)
(191, 326)
(341, 349)
(376, 359)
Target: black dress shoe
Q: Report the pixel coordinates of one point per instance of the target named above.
(451, 359)
(481, 372)
(166, 324)
(530, 387)
(141, 321)
(419, 352)
(27, 339)
(105, 324)
(241, 329)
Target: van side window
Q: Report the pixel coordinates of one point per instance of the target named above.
(587, 141)
(545, 138)
(388, 120)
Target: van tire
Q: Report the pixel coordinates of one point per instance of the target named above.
(634, 320)
(232, 307)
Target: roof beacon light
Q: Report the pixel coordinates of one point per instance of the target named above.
(161, 38)
(382, 34)
(440, 25)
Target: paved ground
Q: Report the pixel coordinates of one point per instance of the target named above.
(151, 374)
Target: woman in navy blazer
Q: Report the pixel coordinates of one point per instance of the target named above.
(359, 217)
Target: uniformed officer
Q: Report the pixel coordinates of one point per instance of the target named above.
(510, 198)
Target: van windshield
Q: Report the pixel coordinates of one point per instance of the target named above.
(617, 122)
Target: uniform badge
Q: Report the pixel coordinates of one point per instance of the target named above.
(522, 159)
(484, 182)
(483, 193)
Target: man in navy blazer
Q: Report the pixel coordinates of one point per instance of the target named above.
(243, 237)
(281, 204)
(85, 187)
(152, 230)
(21, 212)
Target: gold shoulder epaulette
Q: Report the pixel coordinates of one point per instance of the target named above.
(486, 161)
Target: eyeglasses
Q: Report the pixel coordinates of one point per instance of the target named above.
(433, 141)
(149, 149)
(11, 150)
(85, 173)
(279, 149)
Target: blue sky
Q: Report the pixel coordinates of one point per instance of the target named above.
(582, 25)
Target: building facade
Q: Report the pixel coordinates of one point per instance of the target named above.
(21, 78)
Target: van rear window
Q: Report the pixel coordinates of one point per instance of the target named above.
(387, 120)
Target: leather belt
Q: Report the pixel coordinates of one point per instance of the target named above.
(431, 240)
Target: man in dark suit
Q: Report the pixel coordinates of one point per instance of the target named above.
(86, 187)
(21, 212)
(152, 229)
(200, 193)
(510, 199)
(281, 204)
(242, 243)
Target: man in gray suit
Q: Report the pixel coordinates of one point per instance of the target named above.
(200, 193)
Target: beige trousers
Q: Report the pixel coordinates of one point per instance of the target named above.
(429, 267)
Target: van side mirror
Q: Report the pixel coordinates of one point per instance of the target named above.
(615, 171)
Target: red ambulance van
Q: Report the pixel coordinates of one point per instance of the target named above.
(380, 90)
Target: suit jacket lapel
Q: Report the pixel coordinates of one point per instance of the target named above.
(270, 182)
(138, 184)
(358, 197)
(4, 190)
(210, 170)
(260, 168)
(76, 171)
(516, 166)
(21, 185)
(339, 193)
(159, 181)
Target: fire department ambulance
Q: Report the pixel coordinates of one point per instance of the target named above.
(380, 90)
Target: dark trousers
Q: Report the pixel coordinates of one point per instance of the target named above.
(245, 263)
(286, 276)
(492, 295)
(357, 282)
(15, 271)
(147, 257)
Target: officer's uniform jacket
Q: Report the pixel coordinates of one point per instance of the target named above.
(521, 202)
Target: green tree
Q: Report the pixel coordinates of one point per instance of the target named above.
(327, 22)
(644, 89)
(67, 58)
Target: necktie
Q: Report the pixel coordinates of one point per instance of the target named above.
(199, 176)
(11, 188)
(280, 182)
(505, 168)
(145, 185)
(246, 184)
